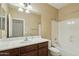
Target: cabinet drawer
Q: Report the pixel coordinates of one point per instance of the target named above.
(28, 48)
(11, 52)
(31, 53)
(44, 44)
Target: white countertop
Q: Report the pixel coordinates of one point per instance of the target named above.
(10, 44)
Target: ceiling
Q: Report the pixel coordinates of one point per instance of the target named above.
(58, 5)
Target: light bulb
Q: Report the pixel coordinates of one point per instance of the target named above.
(70, 22)
(20, 9)
(27, 11)
(73, 22)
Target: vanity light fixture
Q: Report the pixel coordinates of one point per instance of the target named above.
(20, 9)
(29, 7)
(25, 6)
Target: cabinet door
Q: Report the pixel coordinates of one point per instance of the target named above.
(11, 52)
(43, 51)
(30, 50)
(4, 53)
(31, 53)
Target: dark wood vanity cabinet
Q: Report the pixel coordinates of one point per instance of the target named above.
(40, 49)
(10, 52)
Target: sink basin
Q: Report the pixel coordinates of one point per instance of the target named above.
(17, 41)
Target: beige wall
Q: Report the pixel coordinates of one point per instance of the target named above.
(2, 12)
(69, 11)
(48, 14)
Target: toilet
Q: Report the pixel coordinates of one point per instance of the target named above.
(53, 51)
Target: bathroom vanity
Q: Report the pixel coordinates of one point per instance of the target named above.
(39, 48)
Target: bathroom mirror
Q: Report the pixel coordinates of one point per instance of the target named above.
(21, 23)
(2, 22)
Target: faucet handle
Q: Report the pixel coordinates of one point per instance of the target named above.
(25, 39)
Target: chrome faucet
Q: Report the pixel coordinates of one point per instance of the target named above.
(25, 39)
